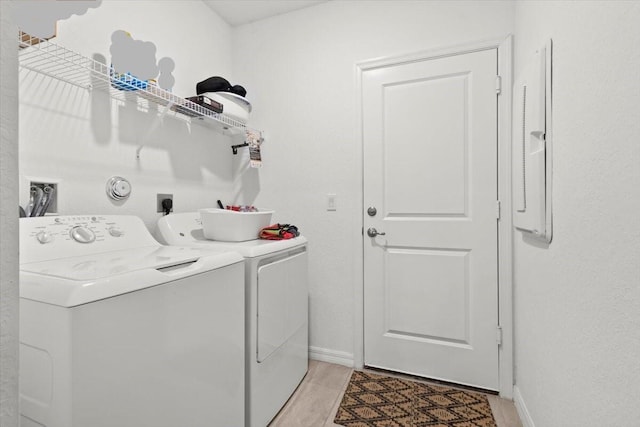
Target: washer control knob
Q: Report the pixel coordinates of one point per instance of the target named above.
(82, 234)
(44, 237)
(115, 231)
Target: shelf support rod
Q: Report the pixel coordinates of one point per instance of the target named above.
(154, 127)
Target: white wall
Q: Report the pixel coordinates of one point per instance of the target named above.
(8, 221)
(301, 70)
(82, 137)
(577, 302)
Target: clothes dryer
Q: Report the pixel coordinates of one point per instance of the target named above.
(277, 340)
(118, 330)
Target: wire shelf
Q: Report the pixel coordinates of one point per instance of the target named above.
(58, 62)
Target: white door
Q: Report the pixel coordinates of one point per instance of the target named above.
(430, 171)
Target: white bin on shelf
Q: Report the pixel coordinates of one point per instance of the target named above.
(235, 106)
(231, 226)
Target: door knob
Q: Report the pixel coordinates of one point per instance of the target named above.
(372, 232)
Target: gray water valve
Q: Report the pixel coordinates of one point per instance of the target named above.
(118, 188)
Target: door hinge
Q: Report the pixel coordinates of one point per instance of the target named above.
(499, 335)
(498, 85)
(498, 208)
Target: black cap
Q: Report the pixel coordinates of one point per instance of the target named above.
(238, 90)
(213, 84)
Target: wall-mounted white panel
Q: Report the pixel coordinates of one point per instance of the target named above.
(532, 147)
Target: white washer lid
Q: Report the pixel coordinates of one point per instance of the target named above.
(79, 280)
(185, 229)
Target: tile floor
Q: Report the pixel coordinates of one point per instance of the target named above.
(318, 397)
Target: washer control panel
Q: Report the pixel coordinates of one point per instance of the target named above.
(61, 236)
(79, 229)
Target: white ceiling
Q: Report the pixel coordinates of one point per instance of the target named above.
(238, 12)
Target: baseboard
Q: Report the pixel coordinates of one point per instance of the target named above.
(523, 412)
(331, 356)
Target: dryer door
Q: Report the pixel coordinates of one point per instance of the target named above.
(282, 302)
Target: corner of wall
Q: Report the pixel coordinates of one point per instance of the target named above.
(9, 292)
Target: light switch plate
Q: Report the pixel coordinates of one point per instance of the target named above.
(331, 202)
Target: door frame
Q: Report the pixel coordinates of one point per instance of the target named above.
(504, 45)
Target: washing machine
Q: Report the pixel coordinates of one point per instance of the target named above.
(118, 330)
(277, 340)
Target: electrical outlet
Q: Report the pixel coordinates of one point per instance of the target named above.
(52, 205)
(159, 199)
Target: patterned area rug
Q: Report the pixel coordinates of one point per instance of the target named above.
(380, 401)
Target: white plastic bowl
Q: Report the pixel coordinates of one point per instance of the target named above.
(235, 106)
(231, 226)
